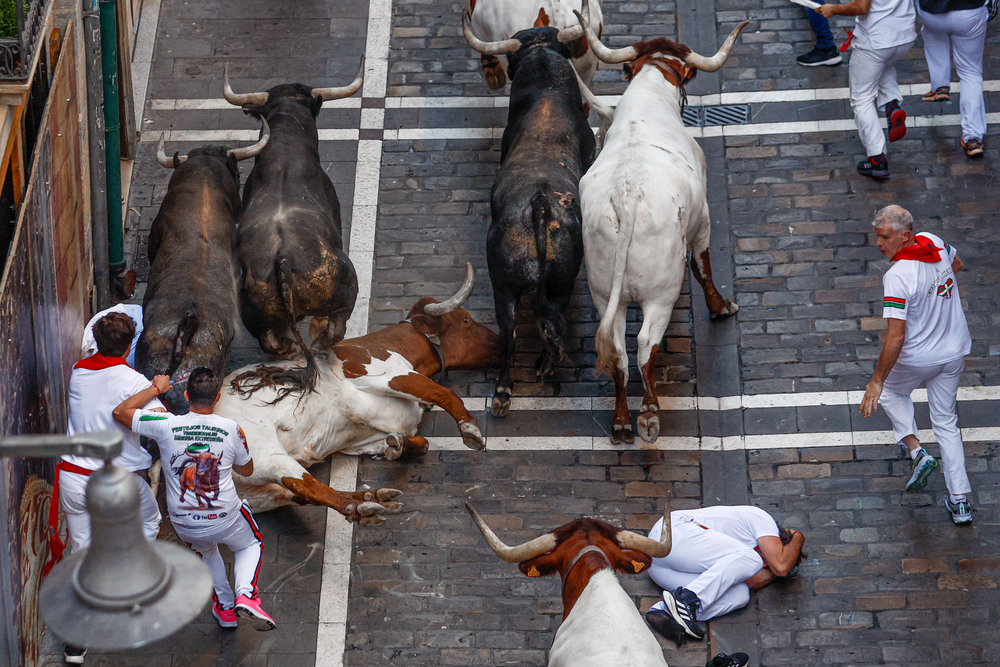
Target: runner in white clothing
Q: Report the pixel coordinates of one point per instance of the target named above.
(199, 451)
(719, 555)
(927, 341)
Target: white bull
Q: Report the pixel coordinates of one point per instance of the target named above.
(499, 20)
(644, 206)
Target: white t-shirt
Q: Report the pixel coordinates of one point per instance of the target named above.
(925, 295)
(88, 345)
(93, 396)
(744, 523)
(198, 452)
(888, 23)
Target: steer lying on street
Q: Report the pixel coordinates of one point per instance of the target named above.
(369, 399)
(190, 307)
(290, 243)
(644, 206)
(535, 237)
(601, 625)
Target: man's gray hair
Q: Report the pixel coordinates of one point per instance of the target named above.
(896, 217)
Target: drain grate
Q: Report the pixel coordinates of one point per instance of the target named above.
(726, 114)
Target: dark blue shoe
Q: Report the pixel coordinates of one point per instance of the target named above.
(682, 605)
(734, 660)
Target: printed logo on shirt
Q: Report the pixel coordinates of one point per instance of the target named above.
(894, 302)
(198, 473)
(151, 418)
(199, 432)
(243, 437)
(945, 289)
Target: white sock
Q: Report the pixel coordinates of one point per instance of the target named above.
(958, 499)
(916, 453)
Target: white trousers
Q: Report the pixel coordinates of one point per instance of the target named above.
(73, 503)
(942, 388)
(872, 77)
(244, 540)
(708, 563)
(960, 35)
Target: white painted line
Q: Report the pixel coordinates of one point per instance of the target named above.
(703, 443)
(142, 57)
(218, 104)
(331, 640)
(209, 136)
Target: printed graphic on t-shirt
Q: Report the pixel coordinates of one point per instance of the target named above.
(945, 289)
(198, 471)
(894, 302)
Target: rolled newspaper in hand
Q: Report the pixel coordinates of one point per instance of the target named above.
(806, 3)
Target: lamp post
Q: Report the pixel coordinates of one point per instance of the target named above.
(123, 592)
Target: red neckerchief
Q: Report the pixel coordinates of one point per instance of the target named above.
(923, 250)
(98, 362)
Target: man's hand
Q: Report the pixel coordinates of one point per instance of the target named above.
(162, 383)
(869, 404)
(826, 11)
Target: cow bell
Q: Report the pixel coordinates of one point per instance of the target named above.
(124, 591)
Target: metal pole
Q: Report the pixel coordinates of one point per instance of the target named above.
(98, 171)
(112, 147)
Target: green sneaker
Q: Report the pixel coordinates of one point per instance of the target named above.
(920, 470)
(961, 512)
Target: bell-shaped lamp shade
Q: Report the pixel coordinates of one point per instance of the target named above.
(124, 591)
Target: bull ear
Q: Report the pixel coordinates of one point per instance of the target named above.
(540, 566)
(425, 324)
(630, 561)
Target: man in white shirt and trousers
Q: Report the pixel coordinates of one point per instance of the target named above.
(926, 342)
(719, 555)
(884, 31)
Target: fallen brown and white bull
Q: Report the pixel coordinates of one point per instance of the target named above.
(369, 399)
(290, 243)
(644, 206)
(499, 20)
(601, 624)
(190, 307)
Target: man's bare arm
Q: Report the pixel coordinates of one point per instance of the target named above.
(127, 408)
(246, 469)
(957, 265)
(852, 8)
(781, 558)
(761, 579)
(891, 347)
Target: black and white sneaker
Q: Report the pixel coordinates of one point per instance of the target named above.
(734, 660)
(817, 57)
(682, 605)
(876, 167)
(74, 655)
(664, 623)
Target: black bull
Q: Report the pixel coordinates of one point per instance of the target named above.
(190, 307)
(290, 245)
(536, 237)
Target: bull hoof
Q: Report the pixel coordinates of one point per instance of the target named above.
(648, 424)
(501, 403)
(472, 437)
(387, 494)
(622, 433)
(729, 308)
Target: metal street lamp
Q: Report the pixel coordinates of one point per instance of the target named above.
(123, 592)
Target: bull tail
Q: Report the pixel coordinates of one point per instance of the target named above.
(541, 213)
(624, 204)
(305, 379)
(185, 331)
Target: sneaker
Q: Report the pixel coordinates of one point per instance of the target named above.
(876, 167)
(734, 660)
(664, 623)
(250, 608)
(973, 147)
(225, 617)
(942, 94)
(818, 57)
(897, 120)
(682, 605)
(961, 512)
(74, 655)
(920, 470)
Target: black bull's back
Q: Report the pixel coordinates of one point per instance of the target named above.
(290, 243)
(535, 237)
(190, 306)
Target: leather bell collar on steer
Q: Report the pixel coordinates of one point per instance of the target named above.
(923, 250)
(435, 342)
(672, 70)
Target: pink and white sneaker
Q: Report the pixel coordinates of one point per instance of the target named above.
(248, 607)
(225, 617)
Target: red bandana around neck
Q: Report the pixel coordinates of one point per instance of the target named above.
(98, 362)
(923, 250)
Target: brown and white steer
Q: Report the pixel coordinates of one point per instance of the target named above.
(369, 398)
(644, 207)
(499, 20)
(601, 625)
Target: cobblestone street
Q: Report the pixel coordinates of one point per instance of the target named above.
(758, 409)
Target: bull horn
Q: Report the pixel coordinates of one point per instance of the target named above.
(168, 162)
(602, 52)
(489, 48)
(716, 62)
(240, 100)
(534, 547)
(255, 150)
(327, 94)
(460, 297)
(657, 549)
(576, 32)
